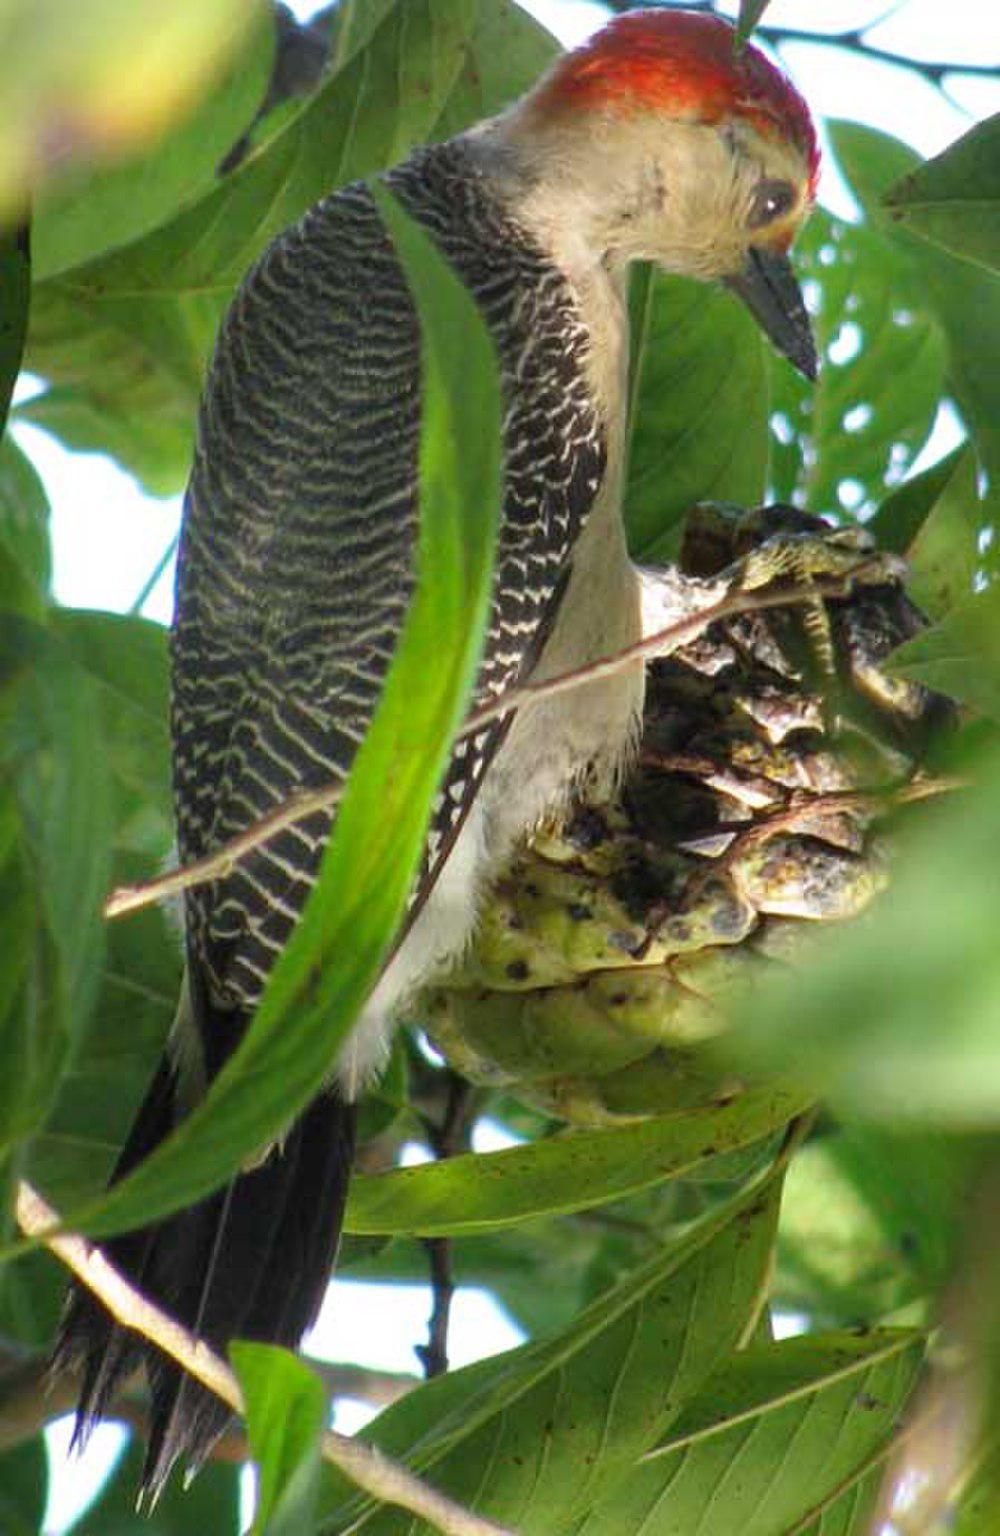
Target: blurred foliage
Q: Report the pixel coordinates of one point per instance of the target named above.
(640, 1259)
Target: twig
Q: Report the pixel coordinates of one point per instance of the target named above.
(363, 1464)
(446, 1139)
(130, 898)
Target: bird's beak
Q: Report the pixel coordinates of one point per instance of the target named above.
(769, 289)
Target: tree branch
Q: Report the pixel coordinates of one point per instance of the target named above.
(365, 1465)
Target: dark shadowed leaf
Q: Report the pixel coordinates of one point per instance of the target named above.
(534, 1437)
(309, 1005)
(24, 1486)
(285, 1414)
(24, 522)
(15, 286)
(56, 820)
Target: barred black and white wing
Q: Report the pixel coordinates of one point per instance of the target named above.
(296, 564)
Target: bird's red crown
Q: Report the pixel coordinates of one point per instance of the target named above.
(684, 63)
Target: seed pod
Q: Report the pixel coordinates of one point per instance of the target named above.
(605, 957)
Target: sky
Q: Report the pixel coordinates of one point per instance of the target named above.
(88, 491)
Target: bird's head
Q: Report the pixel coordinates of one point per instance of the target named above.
(661, 142)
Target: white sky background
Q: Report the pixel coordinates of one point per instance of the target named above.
(109, 537)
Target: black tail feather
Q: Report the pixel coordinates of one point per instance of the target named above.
(252, 1261)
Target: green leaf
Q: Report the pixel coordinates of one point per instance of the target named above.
(534, 1437)
(726, 1467)
(960, 655)
(895, 1017)
(699, 396)
(856, 1240)
(55, 813)
(210, 1505)
(126, 658)
(954, 199)
(477, 1192)
(285, 1415)
(71, 1157)
(945, 558)
(964, 295)
(902, 514)
(750, 13)
(24, 1486)
(838, 443)
(24, 524)
(91, 211)
(329, 965)
(15, 287)
(124, 340)
(82, 84)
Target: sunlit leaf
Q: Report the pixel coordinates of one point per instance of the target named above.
(857, 1241)
(285, 1413)
(90, 81)
(896, 1015)
(92, 210)
(123, 341)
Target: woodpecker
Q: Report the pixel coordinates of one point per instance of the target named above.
(657, 140)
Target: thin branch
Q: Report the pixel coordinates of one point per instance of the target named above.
(447, 1137)
(364, 1465)
(853, 39)
(214, 866)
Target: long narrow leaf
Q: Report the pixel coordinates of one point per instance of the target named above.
(333, 958)
(566, 1173)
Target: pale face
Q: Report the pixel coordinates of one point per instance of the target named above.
(696, 198)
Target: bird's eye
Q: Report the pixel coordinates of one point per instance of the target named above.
(771, 200)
